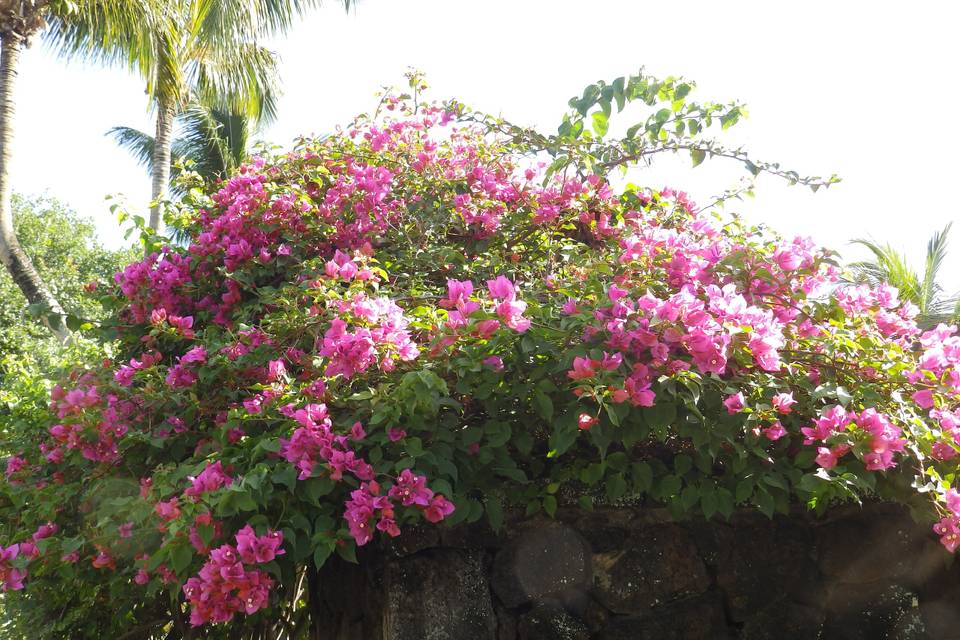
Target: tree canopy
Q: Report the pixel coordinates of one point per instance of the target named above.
(64, 249)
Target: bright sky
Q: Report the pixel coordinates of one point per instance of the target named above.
(863, 89)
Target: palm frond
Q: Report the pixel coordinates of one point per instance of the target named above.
(936, 255)
(136, 34)
(212, 141)
(888, 266)
(240, 80)
(139, 144)
(215, 140)
(216, 18)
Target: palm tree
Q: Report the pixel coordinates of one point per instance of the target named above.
(110, 31)
(890, 266)
(211, 141)
(214, 59)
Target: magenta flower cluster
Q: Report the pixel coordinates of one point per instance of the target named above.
(226, 584)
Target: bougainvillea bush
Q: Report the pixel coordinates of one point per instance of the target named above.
(434, 316)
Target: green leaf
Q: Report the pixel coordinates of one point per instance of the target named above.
(600, 123)
(271, 445)
(642, 477)
(618, 461)
(616, 487)
(317, 488)
(592, 474)
(347, 549)
(515, 474)
(245, 502)
(414, 447)
(550, 505)
(543, 405)
(206, 532)
(744, 490)
(669, 486)
(564, 435)
(843, 397)
(321, 553)
(698, 156)
(180, 557)
(708, 502)
(494, 509)
(689, 497)
(498, 433)
(724, 502)
(660, 415)
(765, 503)
(285, 475)
(618, 93)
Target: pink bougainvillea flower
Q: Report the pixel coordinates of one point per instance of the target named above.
(783, 402)
(585, 421)
(411, 489)
(255, 549)
(494, 362)
(774, 432)
(734, 403)
(438, 509)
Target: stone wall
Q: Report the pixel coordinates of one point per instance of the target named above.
(633, 574)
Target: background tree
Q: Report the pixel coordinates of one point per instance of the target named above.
(67, 258)
(110, 31)
(892, 267)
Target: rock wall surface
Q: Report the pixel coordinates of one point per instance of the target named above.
(634, 574)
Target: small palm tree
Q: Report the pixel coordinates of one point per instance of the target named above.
(211, 141)
(891, 267)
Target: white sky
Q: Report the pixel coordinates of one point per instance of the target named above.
(864, 89)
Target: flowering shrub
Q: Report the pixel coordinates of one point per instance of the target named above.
(434, 315)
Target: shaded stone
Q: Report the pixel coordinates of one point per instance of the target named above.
(761, 561)
(910, 626)
(880, 542)
(658, 564)
(472, 535)
(941, 614)
(547, 562)
(551, 622)
(440, 594)
(506, 624)
(605, 531)
(700, 618)
(595, 615)
(866, 612)
(784, 620)
(415, 538)
(340, 585)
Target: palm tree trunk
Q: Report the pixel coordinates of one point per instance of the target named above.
(16, 261)
(161, 163)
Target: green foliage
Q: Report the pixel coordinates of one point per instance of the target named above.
(612, 345)
(64, 250)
